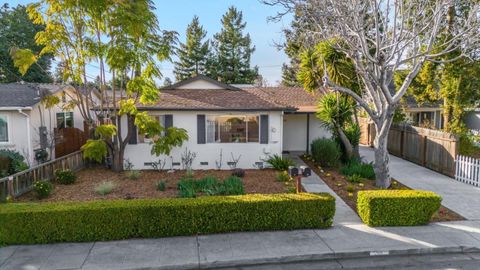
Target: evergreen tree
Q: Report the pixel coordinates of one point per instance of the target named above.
(233, 51)
(193, 53)
(18, 31)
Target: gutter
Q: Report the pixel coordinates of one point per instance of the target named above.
(29, 135)
(15, 108)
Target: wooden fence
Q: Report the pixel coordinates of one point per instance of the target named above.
(467, 170)
(68, 140)
(22, 182)
(433, 149)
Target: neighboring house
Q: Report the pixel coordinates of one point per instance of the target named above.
(225, 122)
(423, 115)
(26, 125)
(472, 119)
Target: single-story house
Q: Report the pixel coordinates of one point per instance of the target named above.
(428, 115)
(26, 125)
(228, 122)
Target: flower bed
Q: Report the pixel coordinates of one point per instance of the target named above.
(348, 191)
(29, 223)
(145, 186)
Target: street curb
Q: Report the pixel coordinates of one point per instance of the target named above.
(338, 256)
(320, 257)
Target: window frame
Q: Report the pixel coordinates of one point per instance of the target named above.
(64, 119)
(7, 120)
(217, 129)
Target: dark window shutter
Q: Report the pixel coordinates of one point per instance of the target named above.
(264, 129)
(168, 122)
(133, 138)
(201, 132)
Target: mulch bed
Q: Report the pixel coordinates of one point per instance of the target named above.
(338, 183)
(255, 181)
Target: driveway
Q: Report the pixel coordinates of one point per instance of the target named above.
(459, 197)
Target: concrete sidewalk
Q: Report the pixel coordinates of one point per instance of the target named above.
(235, 249)
(461, 198)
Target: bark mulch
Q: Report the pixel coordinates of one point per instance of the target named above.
(255, 181)
(338, 183)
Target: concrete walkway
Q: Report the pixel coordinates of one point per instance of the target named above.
(344, 214)
(461, 198)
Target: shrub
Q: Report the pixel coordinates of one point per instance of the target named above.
(397, 207)
(356, 167)
(350, 188)
(42, 189)
(354, 178)
(238, 173)
(161, 185)
(283, 176)
(279, 163)
(233, 186)
(35, 223)
(134, 174)
(326, 152)
(15, 162)
(104, 188)
(65, 177)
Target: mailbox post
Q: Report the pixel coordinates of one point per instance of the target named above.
(298, 173)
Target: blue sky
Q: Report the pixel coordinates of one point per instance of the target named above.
(177, 14)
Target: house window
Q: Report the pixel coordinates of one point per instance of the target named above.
(159, 118)
(64, 119)
(3, 128)
(232, 128)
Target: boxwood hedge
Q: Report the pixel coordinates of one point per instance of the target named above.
(397, 207)
(29, 223)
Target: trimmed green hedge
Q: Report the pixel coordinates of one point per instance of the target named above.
(397, 207)
(29, 223)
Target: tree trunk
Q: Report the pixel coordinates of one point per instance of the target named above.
(346, 143)
(117, 159)
(382, 159)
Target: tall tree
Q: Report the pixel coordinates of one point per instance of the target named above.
(381, 37)
(233, 51)
(18, 31)
(119, 35)
(192, 55)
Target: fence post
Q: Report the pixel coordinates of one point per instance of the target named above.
(424, 151)
(10, 191)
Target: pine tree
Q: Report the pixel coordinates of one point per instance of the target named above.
(233, 51)
(193, 53)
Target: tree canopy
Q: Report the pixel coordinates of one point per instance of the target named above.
(192, 55)
(18, 31)
(230, 61)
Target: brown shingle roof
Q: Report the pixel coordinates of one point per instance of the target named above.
(213, 99)
(289, 96)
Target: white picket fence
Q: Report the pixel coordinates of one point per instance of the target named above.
(467, 170)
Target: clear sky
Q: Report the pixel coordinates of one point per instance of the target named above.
(177, 14)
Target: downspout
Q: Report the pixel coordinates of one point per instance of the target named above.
(29, 136)
(308, 133)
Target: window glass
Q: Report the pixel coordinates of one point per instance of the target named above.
(65, 119)
(3, 129)
(253, 128)
(232, 128)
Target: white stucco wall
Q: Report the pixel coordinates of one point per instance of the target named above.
(295, 131)
(250, 152)
(17, 133)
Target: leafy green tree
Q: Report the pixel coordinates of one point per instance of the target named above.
(192, 55)
(121, 36)
(18, 31)
(335, 110)
(233, 50)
